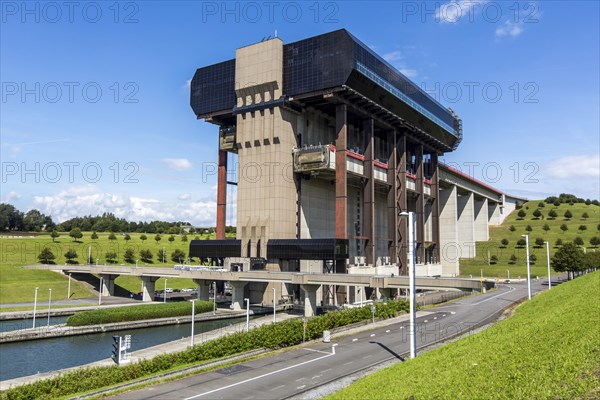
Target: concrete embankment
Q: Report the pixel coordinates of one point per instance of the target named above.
(63, 330)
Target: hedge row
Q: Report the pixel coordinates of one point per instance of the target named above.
(137, 313)
(282, 334)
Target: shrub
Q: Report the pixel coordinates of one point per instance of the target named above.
(46, 256)
(521, 214)
(504, 242)
(513, 259)
(512, 228)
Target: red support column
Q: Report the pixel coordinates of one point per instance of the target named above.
(221, 194)
(402, 206)
(392, 211)
(435, 208)
(341, 188)
(420, 212)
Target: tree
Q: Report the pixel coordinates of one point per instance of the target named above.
(521, 214)
(521, 242)
(34, 221)
(178, 256)
(171, 238)
(143, 237)
(598, 227)
(568, 214)
(513, 259)
(76, 234)
(493, 259)
(578, 241)
(10, 218)
(111, 257)
(556, 203)
(528, 228)
(582, 228)
(71, 256)
(46, 256)
(512, 228)
(112, 236)
(564, 227)
(558, 243)
(157, 237)
(585, 215)
(184, 238)
(532, 259)
(94, 235)
(541, 204)
(568, 258)
(537, 214)
(129, 255)
(127, 237)
(146, 255)
(161, 255)
(54, 234)
(595, 241)
(546, 227)
(196, 237)
(539, 242)
(552, 214)
(504, 242)
(592, 260)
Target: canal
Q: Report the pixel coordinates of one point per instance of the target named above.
(16, 324)
(31, 357)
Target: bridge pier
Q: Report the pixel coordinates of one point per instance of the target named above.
(108, 284)
(310, 299)
(386, 293)
(148, 286)
(203, 286)
(237, 295)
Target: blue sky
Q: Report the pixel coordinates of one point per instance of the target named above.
(95, 111)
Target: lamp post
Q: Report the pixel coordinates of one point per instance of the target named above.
(274, 303)
(49, 306)
(34, 305)
(165, 292)
(247, 314)
(215, 298)
(100, 292)
(548, 256)
(528, 267)
(193, 316)
(411, 280)
(69, 288)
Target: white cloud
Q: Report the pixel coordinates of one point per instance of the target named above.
(575, 167)
(411, 73)
(178, 164)
(87, 200)
(393, 56)
(184, 196)
(509, 29)
(453, 11)
(11, 196)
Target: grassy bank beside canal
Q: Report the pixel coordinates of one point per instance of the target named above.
(137, 313)
(549, 349)
(278, 335)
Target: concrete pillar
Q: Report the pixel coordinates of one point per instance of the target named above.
(466, 224)
(450, 248)
(108, 284)
(420, 209)
(435, 208)
(148, 287)
(494, 213)
(401, 205)
(203, 287)
(386, 293)
(392, 211)
(221, 195)
(481, 220)
(310, 299)
(237, 295)
(369, 192)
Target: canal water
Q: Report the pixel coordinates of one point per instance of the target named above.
(31, 357)
(40, 321)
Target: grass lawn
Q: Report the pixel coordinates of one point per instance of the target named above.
(549, 349)
(540, 267)
(18, 285)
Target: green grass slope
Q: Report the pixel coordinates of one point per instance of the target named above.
(540, 267)
(18, 284)
(549, 349)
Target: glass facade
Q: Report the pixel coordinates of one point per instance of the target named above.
(213, 88)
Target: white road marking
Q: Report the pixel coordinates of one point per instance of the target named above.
(425, 321)
(388, 331)
(301, 379)
(354, 340)
(443, 315)
(301, 387)
(325, 370)
(434, 317)
(316, 376)
(318, 351)
(262, 376)
(348, 363)
(277, 387)
(372, 334)
(368, 356)
(493, 297)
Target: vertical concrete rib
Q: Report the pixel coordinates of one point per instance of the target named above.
(466, 224)
(420, 211)
(221, 194)
(401, 205)
(481, 219)
(392, 211)
(435, 208)
(369, 191)
(450, 248)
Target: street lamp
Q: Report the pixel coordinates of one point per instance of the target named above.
(49, 306)
(165, 292)
(69, 288)
(215, 298)
(548, 256)
(193, 317)
(100, 292)
(411, 280)
(274, 303)
(247, 314)
(528, 267)
(34, 305)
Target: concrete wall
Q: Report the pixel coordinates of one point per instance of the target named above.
(481, 219)
(450, 249)
(466, 224)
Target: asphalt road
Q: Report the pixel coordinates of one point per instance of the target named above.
(296, 371)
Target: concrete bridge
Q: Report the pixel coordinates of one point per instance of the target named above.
(309, 282)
